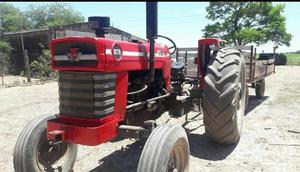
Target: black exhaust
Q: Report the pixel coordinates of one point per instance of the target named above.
(151, 29)
(100, 24)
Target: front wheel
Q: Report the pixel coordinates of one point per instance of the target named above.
(166, 150)
(33, 153)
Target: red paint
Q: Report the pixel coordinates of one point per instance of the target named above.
(73, 53)
(202, 43)
(82, 131)
(121, 95)
(96, 131)
(108, 63)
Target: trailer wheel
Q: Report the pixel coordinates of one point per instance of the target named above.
(167, 149)
(247, 97)
(224, 96)
(260, 88)
(32, 151)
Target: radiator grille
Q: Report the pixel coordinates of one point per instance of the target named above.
(86, 57)
(86, 94)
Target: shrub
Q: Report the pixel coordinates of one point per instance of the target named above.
(5, 50)
(41, 68)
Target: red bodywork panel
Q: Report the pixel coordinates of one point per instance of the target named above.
(96, 131)
(202, 43)
(83, 131)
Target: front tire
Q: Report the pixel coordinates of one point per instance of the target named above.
(32, 152)
(224, 92)
(166, 150)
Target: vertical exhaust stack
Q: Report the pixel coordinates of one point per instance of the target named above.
(151, 29)
(101, 25)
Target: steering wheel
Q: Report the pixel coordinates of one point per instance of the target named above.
(172, 47)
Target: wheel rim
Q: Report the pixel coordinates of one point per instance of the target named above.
(51, 157)
(179, 158)
(172, 163)
(241, 99)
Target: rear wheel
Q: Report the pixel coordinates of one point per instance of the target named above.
(224, 96)
(166, 150)
(33, 151)
(260, 88)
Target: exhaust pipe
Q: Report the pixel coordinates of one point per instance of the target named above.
(151, 29)
(100, 24)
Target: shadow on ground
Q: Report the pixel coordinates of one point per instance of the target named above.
(124, 160)
(202, 147)
(254, 102)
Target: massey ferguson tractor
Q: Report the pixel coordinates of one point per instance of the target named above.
(105, 85)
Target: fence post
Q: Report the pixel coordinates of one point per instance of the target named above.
(28, 75)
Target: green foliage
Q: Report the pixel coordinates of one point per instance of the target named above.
(42, 16)
(41, 68)
(293, 59)
(5, 47)
(5, 50)
(37, 16)
(241, 23)
(11, 18)
(294, 52)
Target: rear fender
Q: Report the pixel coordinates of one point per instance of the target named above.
(204, 56)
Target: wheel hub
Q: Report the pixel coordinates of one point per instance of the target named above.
(172, 163)
(51, 157)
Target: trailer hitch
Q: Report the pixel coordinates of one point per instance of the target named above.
(138, 132)
(56, 137)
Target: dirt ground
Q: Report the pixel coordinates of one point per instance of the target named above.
(12, 81)
(270, 140)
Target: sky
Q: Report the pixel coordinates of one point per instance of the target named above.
(181, 21)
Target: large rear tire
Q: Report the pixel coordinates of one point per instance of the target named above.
(32, 152)
(224, 96)
(166, 150)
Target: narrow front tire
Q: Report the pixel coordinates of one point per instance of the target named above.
(166, 150)
(33, 153)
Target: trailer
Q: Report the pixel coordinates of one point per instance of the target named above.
(106, 88)
(257, 68)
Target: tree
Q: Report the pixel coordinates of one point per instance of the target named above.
(11, 18)
(37, 16)
(42, 16)
(241, 23)
(5, 50)
(41, 67)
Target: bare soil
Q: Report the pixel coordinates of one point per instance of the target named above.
(270, 140)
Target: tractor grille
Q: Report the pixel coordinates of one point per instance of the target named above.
(87, 55)
(86, 94)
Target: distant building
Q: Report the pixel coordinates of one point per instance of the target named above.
(33, 39)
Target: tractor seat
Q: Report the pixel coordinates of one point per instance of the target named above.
(177, 65)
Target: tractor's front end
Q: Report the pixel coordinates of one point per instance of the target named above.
(92, 90)
(93, 79)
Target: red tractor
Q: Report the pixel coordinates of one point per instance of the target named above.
(105, 85)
